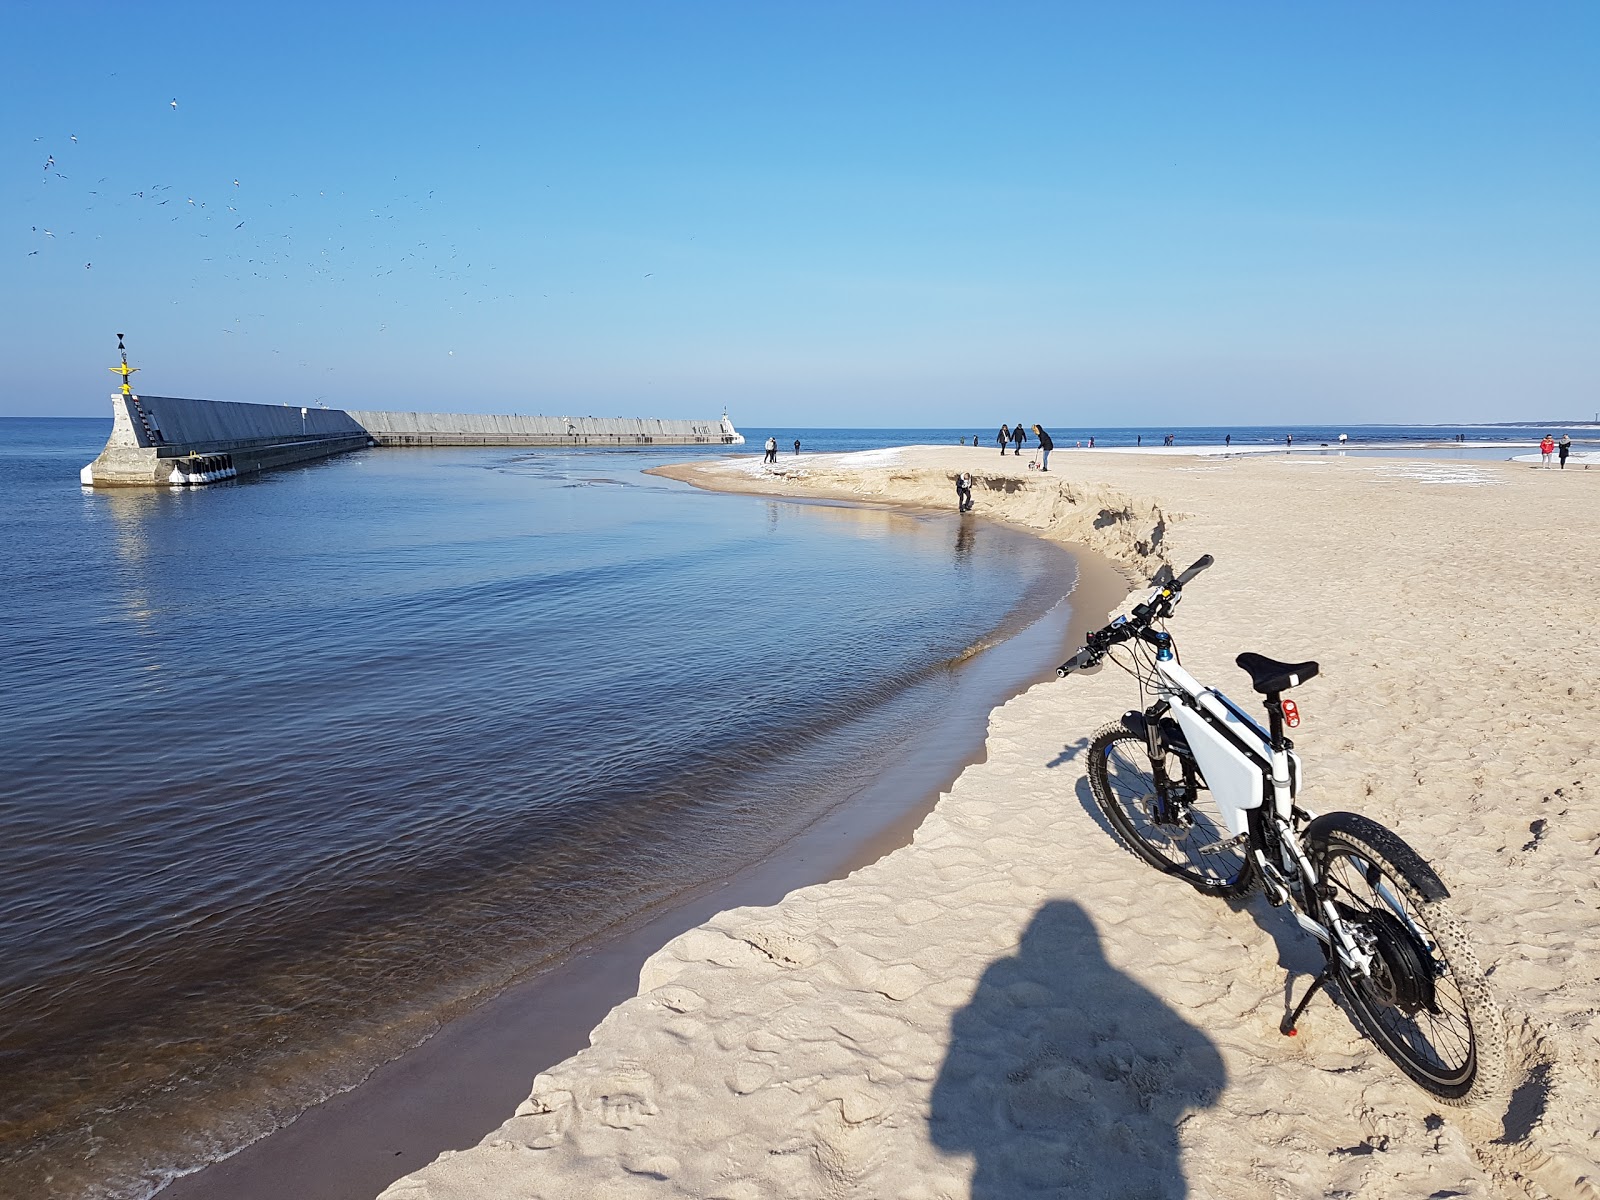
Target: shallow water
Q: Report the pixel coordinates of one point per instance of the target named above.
(300, 766)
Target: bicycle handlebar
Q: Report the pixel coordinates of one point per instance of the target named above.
(1137, 625)
(1200, 564)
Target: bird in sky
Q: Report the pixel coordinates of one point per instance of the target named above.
(49, 162)
(174, 104)
(74, 138)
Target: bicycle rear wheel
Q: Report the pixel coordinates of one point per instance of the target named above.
(1179, 832)
(1426, 1002)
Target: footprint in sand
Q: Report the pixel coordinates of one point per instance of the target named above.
(629, 1103)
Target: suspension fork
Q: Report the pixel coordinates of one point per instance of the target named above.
(1156, 747)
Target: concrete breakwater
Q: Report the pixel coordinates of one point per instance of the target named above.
(175, 441)
(484, 429)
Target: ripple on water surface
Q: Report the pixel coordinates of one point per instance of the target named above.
(304, 764)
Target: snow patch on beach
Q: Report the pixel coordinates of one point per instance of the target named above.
(1461, 476)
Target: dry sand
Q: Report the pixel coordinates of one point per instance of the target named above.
(1013, 1006)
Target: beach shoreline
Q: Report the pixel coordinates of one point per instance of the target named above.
(830, 1044)
(455, 1087)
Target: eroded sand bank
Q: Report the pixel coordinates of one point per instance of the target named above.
(1011, 1005)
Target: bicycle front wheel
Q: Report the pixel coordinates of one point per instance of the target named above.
(1425, 1000)
(1174, 826)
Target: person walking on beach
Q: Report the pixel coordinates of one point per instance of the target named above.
(1564, 448)
(797, 445)
(1045, 446)
(1018, 436)
(772, 450)
(1547, 448)
(1288, 441)
(1004, 438)
(1227, 439)
(963, 492)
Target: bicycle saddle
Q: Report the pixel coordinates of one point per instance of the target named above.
(1269, 676)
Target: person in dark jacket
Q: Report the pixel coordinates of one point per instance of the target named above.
(1004, 438)
(1045, 446)
(1018, 436)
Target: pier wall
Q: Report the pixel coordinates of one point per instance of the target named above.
(483, 429)
(153, 436)
(162, 440)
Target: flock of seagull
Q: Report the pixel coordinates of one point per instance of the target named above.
(329, 248)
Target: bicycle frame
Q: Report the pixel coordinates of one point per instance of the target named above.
(1243, 768)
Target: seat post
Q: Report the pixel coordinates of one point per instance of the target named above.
(1275, 719)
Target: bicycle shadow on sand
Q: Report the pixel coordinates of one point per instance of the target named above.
(1065, 1076)
(1299, 954)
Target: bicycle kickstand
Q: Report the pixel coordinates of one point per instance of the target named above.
(1287, 1028)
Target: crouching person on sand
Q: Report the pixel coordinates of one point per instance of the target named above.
(963, 492)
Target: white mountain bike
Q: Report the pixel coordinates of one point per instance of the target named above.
(1198, 789)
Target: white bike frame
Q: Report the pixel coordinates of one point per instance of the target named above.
(1242, 770)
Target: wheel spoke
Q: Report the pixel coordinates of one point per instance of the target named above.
(1437, 1039)
(1182, 835)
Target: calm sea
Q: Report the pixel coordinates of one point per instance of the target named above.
(1482, 441)
(301, 766)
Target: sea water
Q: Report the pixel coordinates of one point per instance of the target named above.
(301, 766)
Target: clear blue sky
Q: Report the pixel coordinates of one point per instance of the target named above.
(813, 214)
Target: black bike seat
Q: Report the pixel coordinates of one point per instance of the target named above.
(1268, 675)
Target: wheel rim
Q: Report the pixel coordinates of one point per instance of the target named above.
(1412, 1004)
(1196, 845)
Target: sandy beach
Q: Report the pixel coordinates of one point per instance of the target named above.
(1011, 1005)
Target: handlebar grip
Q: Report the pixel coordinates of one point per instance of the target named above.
(1083, 658)
(1200, 564)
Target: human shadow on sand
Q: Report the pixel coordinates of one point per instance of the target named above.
(1067, 1078)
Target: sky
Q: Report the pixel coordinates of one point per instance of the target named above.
(820, 214)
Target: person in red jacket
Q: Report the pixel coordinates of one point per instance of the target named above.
(1547, 448)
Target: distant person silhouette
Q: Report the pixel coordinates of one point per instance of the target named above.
(1018, 436)
(1564, 448)
(1004, 438)
(1065, 1077)
(797, 445)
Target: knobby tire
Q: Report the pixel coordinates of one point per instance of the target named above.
(1197, 849)
(1427, 1006)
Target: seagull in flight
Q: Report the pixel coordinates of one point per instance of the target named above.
(174, 104)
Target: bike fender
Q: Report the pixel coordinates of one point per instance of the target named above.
(1423, 877)
(1135, 724)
